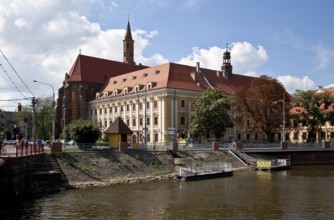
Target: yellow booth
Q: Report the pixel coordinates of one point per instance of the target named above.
(117, 134)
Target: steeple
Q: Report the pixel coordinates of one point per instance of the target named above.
(128, 45)
(227, 67)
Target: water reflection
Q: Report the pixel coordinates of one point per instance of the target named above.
(299, 193)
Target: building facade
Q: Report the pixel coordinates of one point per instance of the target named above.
(155, 102)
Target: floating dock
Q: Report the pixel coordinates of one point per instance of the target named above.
(273, 165)
(206, 176)
(204, 171)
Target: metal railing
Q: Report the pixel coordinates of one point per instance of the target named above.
(21, 150)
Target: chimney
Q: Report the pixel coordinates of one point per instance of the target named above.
(197, 67)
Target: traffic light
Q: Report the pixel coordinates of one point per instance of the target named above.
(19, 107)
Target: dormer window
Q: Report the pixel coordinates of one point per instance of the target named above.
(124, 79)
(134, 77)
(150, 85)
(114, 82)
(145, 74)
(138, 87)
(127, 89)
(157, 72)
(117, 91)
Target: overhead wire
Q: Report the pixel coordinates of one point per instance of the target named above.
(17, 74)
(11, 80)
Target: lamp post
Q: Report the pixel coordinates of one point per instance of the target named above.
(145, 128)
(53, 107)
(283, 110)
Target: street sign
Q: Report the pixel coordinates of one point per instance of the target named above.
(171, 131)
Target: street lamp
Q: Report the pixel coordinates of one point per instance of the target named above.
(283, 110)
(53, 108)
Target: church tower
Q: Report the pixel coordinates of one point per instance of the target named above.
(128, 45)
(227, 67)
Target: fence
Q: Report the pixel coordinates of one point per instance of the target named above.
(20, 151)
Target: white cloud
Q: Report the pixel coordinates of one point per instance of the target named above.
(21, 23)
(292, 83)
(42, 39)
(211, 58)
(323, 57)
(246, 57)
(330, 86)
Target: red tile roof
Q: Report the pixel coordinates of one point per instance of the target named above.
(299, 110)
(178, 76)
(88, 69)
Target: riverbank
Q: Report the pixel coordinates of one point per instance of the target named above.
(110, 167)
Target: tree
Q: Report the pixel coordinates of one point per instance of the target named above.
(44, 117)
(316, 110)
(83, 131)
(262, 103)
(210, 114)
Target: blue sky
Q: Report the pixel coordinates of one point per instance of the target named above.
(288, 40)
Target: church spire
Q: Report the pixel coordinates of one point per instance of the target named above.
(227, 67)
(128, 46)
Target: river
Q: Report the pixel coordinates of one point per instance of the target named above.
(304, 192)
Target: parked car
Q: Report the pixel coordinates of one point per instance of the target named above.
(72, 142)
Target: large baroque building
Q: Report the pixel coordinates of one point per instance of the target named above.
(155, 102)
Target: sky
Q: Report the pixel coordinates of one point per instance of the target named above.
(291, 41)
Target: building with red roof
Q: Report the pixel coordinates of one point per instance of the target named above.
(150, 100)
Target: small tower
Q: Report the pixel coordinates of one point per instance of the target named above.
(128, 45)
(227, 67)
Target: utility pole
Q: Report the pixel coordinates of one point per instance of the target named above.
(283, 117)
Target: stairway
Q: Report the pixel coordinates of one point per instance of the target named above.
(173, 153)
(47, 173)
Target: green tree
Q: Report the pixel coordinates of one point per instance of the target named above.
(44, 117)
(210, 114)
(258, 103)
(83, 131)
(315, 110)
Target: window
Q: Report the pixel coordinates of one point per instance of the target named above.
(91, 112)
(183, 103)
(148, 121)
(110, 110)
(100, 111)
(295, 136)
(155, 120)
(141, 121)
(95, 111)
(148, 138)
(105, 110)
(115, 109)
(183, 120)
(133, 107)
(156, 137)
(127, 108)
(105, 123)
(148, 105)
(140, 106)
(122, 108)
(127, 122)
(134, 122)
(155, 104)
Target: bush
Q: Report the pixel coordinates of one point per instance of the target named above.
(83, 131)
